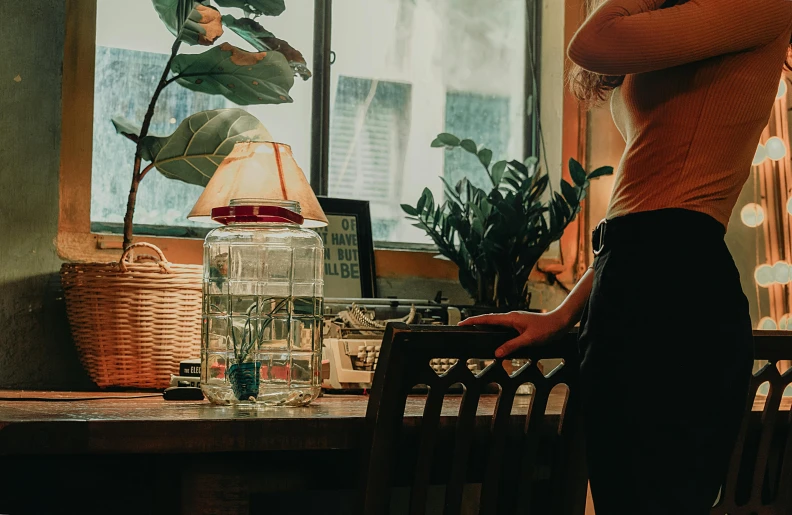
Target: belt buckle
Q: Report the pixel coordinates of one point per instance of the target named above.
(598, 237)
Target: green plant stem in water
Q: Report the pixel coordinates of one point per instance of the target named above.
(248, 338)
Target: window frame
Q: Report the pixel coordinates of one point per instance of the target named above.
(76, 242)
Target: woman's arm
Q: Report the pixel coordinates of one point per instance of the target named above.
(540, 327)
(637, 36)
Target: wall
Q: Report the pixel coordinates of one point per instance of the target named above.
(35, 347)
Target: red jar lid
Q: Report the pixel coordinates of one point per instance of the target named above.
(255, 214)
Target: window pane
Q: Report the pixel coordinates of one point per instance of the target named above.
(482, 118)
(406, 70)
(131, 52)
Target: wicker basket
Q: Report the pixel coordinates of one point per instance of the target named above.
(134, 321)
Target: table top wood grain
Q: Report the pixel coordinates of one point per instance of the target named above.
(108, 423)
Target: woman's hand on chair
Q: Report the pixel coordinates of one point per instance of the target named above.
(534, 328)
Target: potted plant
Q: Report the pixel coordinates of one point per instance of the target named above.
(133, 322)
(496, 237)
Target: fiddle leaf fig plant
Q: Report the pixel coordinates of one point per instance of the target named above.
(264, 75)
(496, 237)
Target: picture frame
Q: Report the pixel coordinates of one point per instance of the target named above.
(349, 249)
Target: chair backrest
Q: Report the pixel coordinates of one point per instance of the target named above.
(524, 463)
(759, 481)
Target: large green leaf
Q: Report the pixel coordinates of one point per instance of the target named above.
(173, 13)
(192, 153)
(257, 7)
(485, 156)
(599, 172)
(577, 172)
(409, 210)
(263, 40)
(469, 145)
(243, 77)
(570, 194)
(497, 172)
(445, 139)
(190, 20)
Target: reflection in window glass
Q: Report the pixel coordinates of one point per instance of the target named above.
(124, 82)
(406, 70)
(131, 52)
(368, 139)
(485, 120)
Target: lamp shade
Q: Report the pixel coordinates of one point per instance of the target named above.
(259, 170)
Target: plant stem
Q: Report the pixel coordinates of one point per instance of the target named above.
(146, 170)
(489, 174)
(137, 175)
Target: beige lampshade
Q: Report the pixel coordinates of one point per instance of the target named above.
(259, 170)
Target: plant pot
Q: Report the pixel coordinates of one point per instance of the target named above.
(134, 321)
(244, 379)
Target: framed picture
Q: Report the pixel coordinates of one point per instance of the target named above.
(349, 249)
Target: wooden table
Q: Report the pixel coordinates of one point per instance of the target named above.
(124, 424)
(149, 455)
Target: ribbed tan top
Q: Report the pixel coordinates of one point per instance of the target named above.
(701, 78)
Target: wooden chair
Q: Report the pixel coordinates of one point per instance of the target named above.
(759, 481)
(530, 464)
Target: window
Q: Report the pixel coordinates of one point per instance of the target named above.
(406, 70)
(403, 71)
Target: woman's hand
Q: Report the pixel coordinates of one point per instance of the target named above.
(534, 328)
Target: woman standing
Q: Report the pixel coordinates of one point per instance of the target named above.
(693, 84)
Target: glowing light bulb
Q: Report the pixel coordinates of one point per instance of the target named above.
(760, 156)
(753, 215)
(781, 272)
(764, 275)
(776, 148)
(782, 89)
(767, 324)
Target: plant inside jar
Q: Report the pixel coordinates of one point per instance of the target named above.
(244, 374)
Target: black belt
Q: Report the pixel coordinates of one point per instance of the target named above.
(671, 226)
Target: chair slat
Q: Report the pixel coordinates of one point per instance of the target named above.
(463, 439)
(769, 416)
(423, 467)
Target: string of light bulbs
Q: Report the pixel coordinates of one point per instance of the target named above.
(779, 273)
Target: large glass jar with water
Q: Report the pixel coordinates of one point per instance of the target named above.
(262, 309)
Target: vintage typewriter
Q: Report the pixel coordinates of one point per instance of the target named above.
(353, 334)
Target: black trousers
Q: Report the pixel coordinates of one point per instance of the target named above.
(667, 353)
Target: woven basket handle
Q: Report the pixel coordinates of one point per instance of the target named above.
(159, 258)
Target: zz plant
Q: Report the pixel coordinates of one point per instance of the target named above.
(262, 76)
(496, 237)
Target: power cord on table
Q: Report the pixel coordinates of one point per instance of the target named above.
(77, 399)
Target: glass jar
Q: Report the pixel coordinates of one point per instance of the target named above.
(262, 309)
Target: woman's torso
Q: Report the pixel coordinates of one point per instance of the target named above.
(692, 131)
